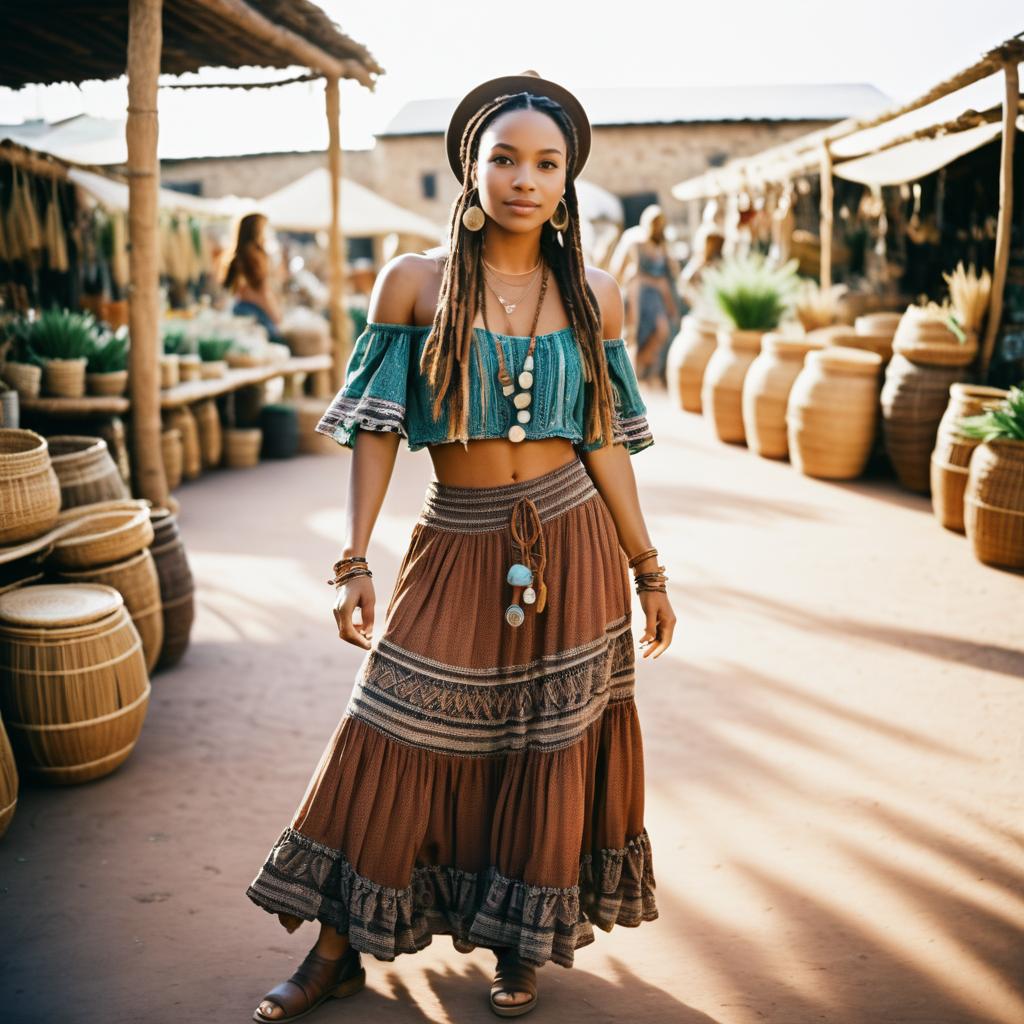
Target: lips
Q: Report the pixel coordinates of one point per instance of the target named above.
(522, 204)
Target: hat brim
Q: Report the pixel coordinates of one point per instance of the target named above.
(489, 90)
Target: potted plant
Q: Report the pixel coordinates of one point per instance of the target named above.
(173, 343)
(62, 339)
(994, 496)
(23, 369)
(107, 366)
(752, 295)
(212, 352)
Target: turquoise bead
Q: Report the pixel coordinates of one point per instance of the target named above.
(520, 575)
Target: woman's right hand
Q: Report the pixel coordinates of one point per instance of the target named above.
(358, 593)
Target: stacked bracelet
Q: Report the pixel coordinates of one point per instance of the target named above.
(654, 579)
(346, 569)
(637, 559)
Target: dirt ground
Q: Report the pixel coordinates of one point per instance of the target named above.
(835, 780)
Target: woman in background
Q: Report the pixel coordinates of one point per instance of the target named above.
(248, 276)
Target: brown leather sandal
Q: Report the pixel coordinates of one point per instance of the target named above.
(316, 979)
(512, 975)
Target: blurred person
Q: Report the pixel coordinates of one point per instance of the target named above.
(249, 278)
(647, 271)
(707, 250)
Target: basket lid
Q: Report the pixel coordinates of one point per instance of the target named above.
(59, 604)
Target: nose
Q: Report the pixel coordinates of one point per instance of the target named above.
(523, 179)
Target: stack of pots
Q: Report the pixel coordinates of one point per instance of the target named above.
(86, 471)
(688, 357)
(766, 390)
(927, 359)
(951, 456)
(75, 689)
(722, 387)
(832, 412)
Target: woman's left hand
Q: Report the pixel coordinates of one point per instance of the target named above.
(661, 622)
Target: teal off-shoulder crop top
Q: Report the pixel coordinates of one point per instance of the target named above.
(384, 390)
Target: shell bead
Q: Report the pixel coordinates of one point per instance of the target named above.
(523, 415)
(528, 363)
(525, 379)
(516, 433)
(508, 389)
(529, 595)
(514, 615)
(522, 400)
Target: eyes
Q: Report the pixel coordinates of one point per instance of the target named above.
(501, 156)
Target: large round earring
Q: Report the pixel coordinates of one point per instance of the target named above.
(473, 218)
(560, 223)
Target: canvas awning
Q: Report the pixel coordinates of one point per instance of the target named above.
(113, 195)
(305, 205)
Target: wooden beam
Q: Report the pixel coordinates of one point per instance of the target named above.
(306, 53)
(826, 217)
(1011, 101)
(336, 244)
(145, 37)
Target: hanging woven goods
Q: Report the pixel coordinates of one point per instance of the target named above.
(528, 541)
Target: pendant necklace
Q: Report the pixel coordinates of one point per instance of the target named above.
(510, 307)
(523, 399)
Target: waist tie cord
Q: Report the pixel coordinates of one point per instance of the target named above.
(527, 575)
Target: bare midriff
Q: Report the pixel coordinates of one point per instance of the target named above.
(491, 462)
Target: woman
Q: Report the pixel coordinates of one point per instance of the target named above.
(248, 275)
(486, 780)
(647, 272)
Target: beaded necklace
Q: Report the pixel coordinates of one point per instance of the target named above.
(523, 399)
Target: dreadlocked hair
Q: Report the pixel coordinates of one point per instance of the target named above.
(445, 360)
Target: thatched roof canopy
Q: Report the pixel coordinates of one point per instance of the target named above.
(49, 41)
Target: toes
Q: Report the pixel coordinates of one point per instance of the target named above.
(511, 998)
(271, 1010)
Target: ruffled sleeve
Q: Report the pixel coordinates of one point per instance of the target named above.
(373, 396)
(629, 418)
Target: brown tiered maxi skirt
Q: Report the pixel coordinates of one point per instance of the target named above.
(486, 781)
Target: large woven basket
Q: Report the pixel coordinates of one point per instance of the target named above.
(171, 450)
(211, 438)
(191, 458)
(994, 503)
(687, 360)
(189, 368)
(951, 455)
(102, 539)
(721, 394)
(64, 378)
(170, 371)
(177, 587)
(831, 413)
(766, 390)
(25, 378)
(309, 412)
(75, 688)
(311, 340)
(913, 399)
(137, 581)
(929, 342)
(242, 447)
(8, 781)
(29, 489)
(86, 471)
(110, 384)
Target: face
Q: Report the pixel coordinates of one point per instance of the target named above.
(521, 169)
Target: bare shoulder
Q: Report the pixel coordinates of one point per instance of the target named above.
(400, 287)
(609, 300)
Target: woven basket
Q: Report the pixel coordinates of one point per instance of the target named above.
(211, 436)
(115, 505)
(103, 538)
(184, 422)
(244, 360)
(930, 342)
(110, 384)
(242, 447)
(309, 412)
(687, 360)
(76, 689)
(832, 411)
(10, 410)
(64, 378)
(177, 587)
(170, 448)
(994, 503)
(952, 453)
(314, 340)
(913, 399)
(25, 378)
(213, 369)
(86, 471)
(878, 323)
(170, 371)
(189, 368)
(8, 781)
(137, 581)
(721, 394)
(766, 390)
(112, 431)
(29, 489)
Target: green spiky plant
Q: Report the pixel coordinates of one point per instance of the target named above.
(751, 293)
(61, 334)
(212, 349)
(110, 353)
(1003, 422)
(174, 343)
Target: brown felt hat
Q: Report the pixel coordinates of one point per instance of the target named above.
(528, 81)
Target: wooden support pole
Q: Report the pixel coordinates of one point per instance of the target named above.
(1011, 103)
(145, 38)
(826, 217)
(340, 332)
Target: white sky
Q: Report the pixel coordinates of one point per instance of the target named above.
(443, 49)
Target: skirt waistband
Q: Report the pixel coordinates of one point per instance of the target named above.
(480, 509)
